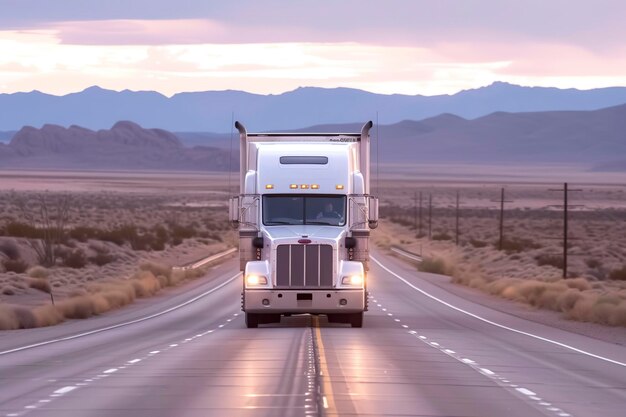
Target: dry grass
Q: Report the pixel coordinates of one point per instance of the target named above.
(97, 298)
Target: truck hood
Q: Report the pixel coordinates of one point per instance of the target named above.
(297, 231)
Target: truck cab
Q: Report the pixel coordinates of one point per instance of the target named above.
(304, 215)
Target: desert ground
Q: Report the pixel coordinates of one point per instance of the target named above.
(121, 233)
(529, 266)
(118, 236)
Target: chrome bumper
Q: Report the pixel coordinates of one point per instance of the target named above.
(297, 301)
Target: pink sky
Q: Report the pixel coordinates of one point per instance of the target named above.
(272, 46)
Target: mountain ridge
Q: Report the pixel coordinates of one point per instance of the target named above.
(98, 108)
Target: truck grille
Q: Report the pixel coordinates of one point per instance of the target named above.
(304, 266)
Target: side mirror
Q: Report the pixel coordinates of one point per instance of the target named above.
(373, 212)
(233, 211)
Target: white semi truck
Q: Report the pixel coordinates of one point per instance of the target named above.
(304, 214)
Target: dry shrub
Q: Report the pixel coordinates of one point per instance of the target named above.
(10, 250)
(83, 307)
(580, 284)
(618, 274)
(47, 315)
(145, 284)
(75, 259)
(433, 265)
(25, 317)
(156, 269)
(8, 320)
(38, 272)
(40, 284)
(101, 258)
(15, 265)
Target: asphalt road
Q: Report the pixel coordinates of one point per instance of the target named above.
(421, 352)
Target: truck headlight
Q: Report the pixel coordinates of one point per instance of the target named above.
(353, 280)
(255, 280)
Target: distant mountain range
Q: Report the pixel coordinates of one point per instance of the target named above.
(125, 146)
(96, 108)
(596, 139)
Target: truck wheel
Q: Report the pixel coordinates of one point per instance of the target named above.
(356, 319)
(252, 320)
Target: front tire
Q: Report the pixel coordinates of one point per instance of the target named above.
(252, 320)
(356, 319)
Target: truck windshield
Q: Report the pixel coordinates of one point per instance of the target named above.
(329, 210)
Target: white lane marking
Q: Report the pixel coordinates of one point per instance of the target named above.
(116, 326)
(526, 391)
(493, 323)
(405, 326)
(384, 309)
(487, 371)
(325, 401)
(434, 343)
(449, 351)
(154, 352)
(465, 360)
(134, 361)
(65, 390)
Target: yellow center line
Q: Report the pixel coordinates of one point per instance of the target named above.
(328, 399)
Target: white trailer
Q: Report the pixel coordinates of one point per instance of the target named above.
(304, 214)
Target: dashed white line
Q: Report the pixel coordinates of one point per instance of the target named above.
(525, 391)
(134, 361)
(493, 323)
(110, 371)
(65, 390)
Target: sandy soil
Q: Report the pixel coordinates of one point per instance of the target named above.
(190, 209)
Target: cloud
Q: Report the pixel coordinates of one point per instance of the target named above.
(596, 25)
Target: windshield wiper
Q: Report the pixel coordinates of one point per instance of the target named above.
(323, 223)
(278, 222)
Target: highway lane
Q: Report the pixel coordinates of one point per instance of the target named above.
(414, 356)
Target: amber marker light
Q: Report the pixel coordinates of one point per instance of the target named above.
(339, 187)
(304, 186)
(269, 187)
(293, 186)
(315, 186)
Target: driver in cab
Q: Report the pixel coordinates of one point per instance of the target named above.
(329, 212)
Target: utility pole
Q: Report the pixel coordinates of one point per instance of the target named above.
(430, 216)
(420, 232)
(415, 210)
(501, 201)
(457, 219)
(565, 190)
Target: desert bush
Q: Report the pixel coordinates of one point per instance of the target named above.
(10, 250)
(38, 272)
(517, 245)
(84, 233)
(75, 259)
(15, 265)
(593, 263)
(101, 258)
(618, 274)
(552, 260)
(432, 265)
(442, 236)
(477, 243)
(19, 229)
(40, 284)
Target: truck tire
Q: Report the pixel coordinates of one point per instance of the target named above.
(356, 319)
(252, 320)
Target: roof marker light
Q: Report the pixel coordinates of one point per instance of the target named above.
(269, 187)
(293, 186)
(315, 186)
(304, 186)
(339, 187)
